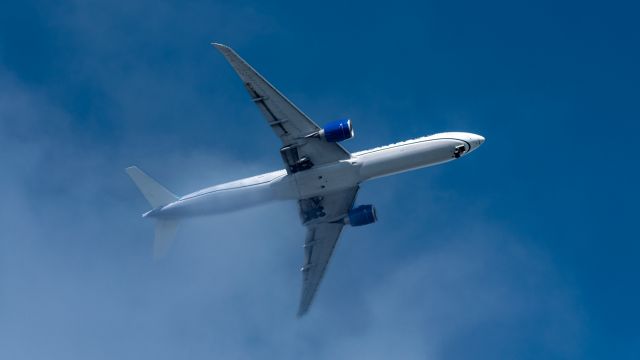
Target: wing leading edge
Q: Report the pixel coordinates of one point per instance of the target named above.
(321, 215)
(288, 122)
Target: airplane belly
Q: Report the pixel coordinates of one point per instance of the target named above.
(326, 179)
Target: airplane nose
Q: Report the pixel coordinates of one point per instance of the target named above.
(473, 141)
(468, 142)
(476, 141)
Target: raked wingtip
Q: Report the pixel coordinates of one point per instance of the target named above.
(219, 45)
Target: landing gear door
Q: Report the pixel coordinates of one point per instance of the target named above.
(294, 162)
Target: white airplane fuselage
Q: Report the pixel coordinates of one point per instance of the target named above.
(323, 179)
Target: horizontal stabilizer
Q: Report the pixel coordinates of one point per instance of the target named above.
(156, 194)
(165, 233)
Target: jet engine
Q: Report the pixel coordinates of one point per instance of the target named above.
(337, 131)
(361, 215)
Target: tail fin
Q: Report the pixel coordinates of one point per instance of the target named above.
(157, 195)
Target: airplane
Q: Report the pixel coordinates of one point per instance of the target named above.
(320, 174)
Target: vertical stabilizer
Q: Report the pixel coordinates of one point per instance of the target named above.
(156, 194)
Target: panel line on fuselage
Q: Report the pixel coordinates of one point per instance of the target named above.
(197, 195)
(406, 143)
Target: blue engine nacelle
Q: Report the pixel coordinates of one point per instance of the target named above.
(337, 131)
(362, 215)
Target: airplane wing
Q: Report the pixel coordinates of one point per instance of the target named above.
(290, 124)
(322, 236)
(321, 215)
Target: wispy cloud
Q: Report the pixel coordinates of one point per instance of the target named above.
(76, 275)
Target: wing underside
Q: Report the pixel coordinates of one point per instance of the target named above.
(319, 244)
(322, 237)
(286, 120)
(302, 149)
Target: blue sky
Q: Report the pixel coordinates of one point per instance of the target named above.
(525, 249)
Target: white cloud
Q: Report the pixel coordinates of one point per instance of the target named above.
(77, 280)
